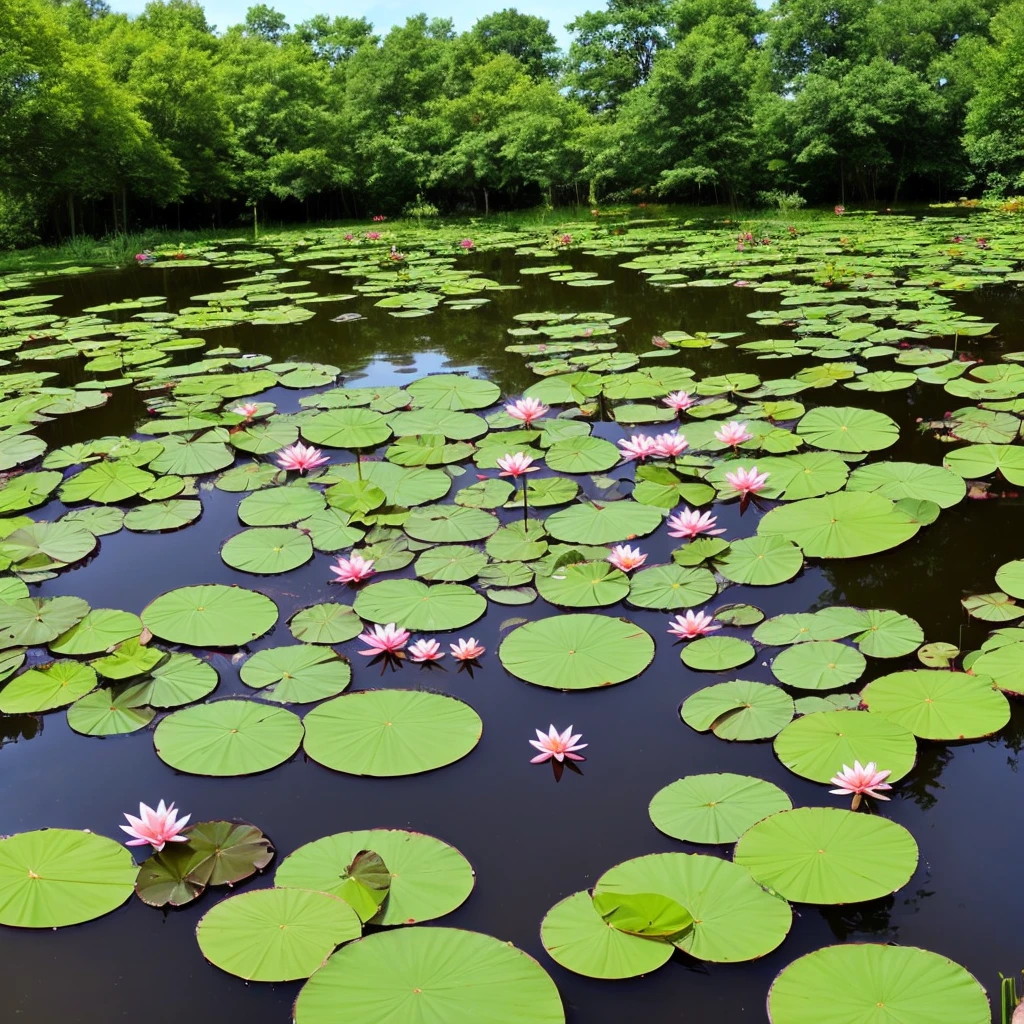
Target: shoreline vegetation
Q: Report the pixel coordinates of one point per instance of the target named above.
(112, 125)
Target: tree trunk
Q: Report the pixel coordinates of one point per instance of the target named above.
(71, 215)
(124, 209)
(113, 206)
(487, 203)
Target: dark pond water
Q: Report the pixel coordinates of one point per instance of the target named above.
(531, 840)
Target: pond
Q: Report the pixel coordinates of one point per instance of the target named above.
(875, 363)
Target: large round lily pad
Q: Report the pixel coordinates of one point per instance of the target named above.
(429, 878)
(56, 877)
(819, 665)
(594, 523)
(734, 918)
(938, 705)
(299, 674)
(448, 524)
(817, 746)
(739, 710)
(276, 934)
(29, 621)
(828, 855)
(577, 938)
(227, 737)
(391, 732)
(453, 391)
(54, 685)
(429, 975)
(577, 652)
(716, 653)
(876, 984)
(672, 587)
(210, 615)
(761, 561)
(101, 629)
(328, 623)
(584, 585)
(267, 549)
(848, 429)
(420, 606)
(715, 808)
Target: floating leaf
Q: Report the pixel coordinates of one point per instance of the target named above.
(594, 523)
(420, 606)
(819, 665)
(296, 675)
(762, 561)
(647, 914)
(211, 615)
(30, 621)
(584, 585)
(738, 710)
(267, 550)
(325, 624)
(50, 686)
(671, 587)
(716, 653)
(102, 713)
(100, 630)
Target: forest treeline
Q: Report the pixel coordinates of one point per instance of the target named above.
(109, 122)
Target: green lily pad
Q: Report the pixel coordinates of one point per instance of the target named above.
(31, 621)
(715, 808)
(761, 561)
(129, 659)
(56, 877)
(163, 515)
(354, 429)
(450, 563)
(584, 585)
(391, 732)
(100, 630)
(48, 542)
(184, 457)
(672, 587)
(995, 607)
(267, 550)
(734, 918)
(577, 938)
(581, 454)
(518, 542)
(716, 653)
(448, 524)
(895, 480)
(644, 914)
(280, 506)
(819, 665)
(458, 977)
(577, 652)
(817, 745)
(227, 737)
(104, 713)
(453, 391)
(828, 855)
(456, 426)
(210, 615)
(843, 525)
(297, 675)
(491, 493)
(325, 624)
(1010, 578)
(848, 429)
(181, 679)
(420, 606)
(594, 523)
(47, 687)
(275, 934)
(429, 878)
(106, 483)
(877, 983)
(938, 705)
(739, 710)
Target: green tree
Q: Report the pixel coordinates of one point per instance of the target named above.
(523, 36)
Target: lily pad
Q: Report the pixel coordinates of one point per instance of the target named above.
(31, 621)
(447, 524)
(453, 391)
(584, 585)
(819, 665)
(761, 561)
(181, 679)
(577, 652)
(267, 550)
(299, 674)
(828, 855)
(594, 523)
(100, 630)
(420, 606)
(211, 615)
(391, 732)
(739, 710)
(716, 653)
(275, 934)
(102, 713)
(227, 737)
(715, 808)
(671, 587)
(280, 506)
(46, 687)
(328, 623)
(848, 429)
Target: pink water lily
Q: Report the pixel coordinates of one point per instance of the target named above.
(626, 558)
(353, 569)
(387, 639)
(733, 433)
(639, 446)
(248, 410)
(679, 400)
(425, 650)
(467, 650)
(155, 828)
(466, 243)
(669, 446)
(373, 236)
(516, 465)
(860, 781)
(557, 745)
(526, 409)
(301, 457)
(566, 240)
(747, 481)
(692, 624)
(689, 523)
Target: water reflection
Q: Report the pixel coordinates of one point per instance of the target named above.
(19, 727)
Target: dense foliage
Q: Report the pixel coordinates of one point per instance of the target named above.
(109, 122)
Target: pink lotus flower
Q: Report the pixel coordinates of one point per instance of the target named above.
(691, 625)
(353, 569)
(526, 409)
(248, 410)
(466, 243)
(299, 456)
(860, 781)
(387, 639)
(516, 465)
(557, 745)
(747, 481)
(380, 217)
(566, 240)
(689, 523)
(669, 446)
(679, 400)
(425, 650)
(626, 558)
(466, 650)
(349, 237)
(639, 446)
(373, 236)
(155, 828)
(733, 433)
(840, 210)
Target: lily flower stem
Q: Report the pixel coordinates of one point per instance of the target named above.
(856, 801)
(525, 520)
(359, 465)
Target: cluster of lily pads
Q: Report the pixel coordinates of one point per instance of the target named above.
(875, 306)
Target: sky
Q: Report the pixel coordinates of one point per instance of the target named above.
(385, 13)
